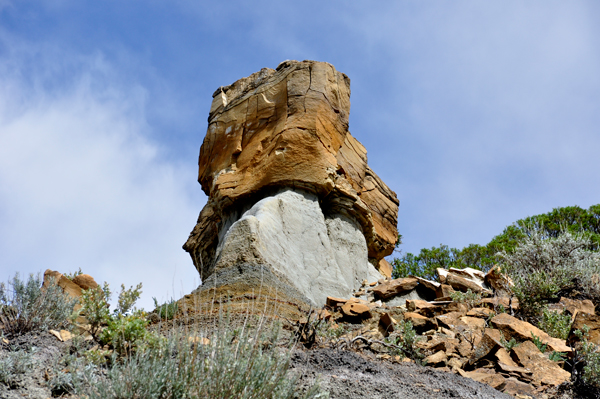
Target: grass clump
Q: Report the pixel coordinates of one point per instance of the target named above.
(26, 306)
(225, 364)
(167, 310)
(13, 364)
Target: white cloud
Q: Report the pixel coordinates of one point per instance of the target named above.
(81, 184)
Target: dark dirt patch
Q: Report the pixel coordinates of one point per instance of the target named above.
(45, 351)
(346, 374)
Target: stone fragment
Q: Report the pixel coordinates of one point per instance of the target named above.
(432, 288)
(489, 344)
(387, 322)
(442, 274)
(463, 284)
(334, 303)
(518, 389)
(503, 357)
(395, 287)
(544, 370)
(499, 281)
(85, 281)
(385, 268)
(356, 309)
(415, 305)
(437, 359)
(456, 363)
(63, 282)
(592, 321)
(480, 312)
(522, 331)
(574, 306)
(474, 323)
(420, 323)
(494, 380)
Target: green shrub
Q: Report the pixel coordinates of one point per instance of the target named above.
(12, 364)
(543, 267)
(586, 370)
(119, 330)
(27, 306)
(233, 365)
(508, 345)
(405, 338)
(556, 324)
(538, 342)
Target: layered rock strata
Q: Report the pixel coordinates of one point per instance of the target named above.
(289, 187)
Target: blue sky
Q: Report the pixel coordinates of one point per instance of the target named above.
(475, 113)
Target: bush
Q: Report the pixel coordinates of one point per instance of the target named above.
(557, 325)
(231, 364)
(405, 339)
(543, 268)
(13, 364)
(27, 306)
(122, 331)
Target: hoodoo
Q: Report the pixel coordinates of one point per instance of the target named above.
(293, 208)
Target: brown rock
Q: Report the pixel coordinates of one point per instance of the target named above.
(480, 312)
(489, 343)
(445, 291)
(390, 289)
(474, 323)
(288, 128)
(499, 281)
(356, 309)
(85, 281)
(334, 303)
(544, 370)
(387, 322)
(442, 274)
(515, 387)
(592, 321)
(414, 305)
(463, 284)
(494, 380)
(504, 358)
(432, 288)
(450, 320)
(522, 331)
(437, 359)
(385, 268)
(574, 306)
(420, 323)
(67, 285)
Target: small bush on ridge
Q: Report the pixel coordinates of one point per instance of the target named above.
(27, 306)
(557, 325)
(542, 268)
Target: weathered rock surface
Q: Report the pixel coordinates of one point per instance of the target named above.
(288, 128)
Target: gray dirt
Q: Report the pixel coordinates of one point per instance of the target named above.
(346, 374)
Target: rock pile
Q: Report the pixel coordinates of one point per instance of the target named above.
(293, 208)
(475, 336)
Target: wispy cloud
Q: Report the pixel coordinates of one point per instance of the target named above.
(81, 182)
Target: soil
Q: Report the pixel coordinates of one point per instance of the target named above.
(345, 374)
(46, 352)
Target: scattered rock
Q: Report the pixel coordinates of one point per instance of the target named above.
(395, 287)
(522, 331)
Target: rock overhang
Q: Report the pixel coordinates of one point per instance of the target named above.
(288, 127)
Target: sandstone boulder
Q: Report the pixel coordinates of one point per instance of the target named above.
(278, 153)
(395, 287)
(522, 331)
